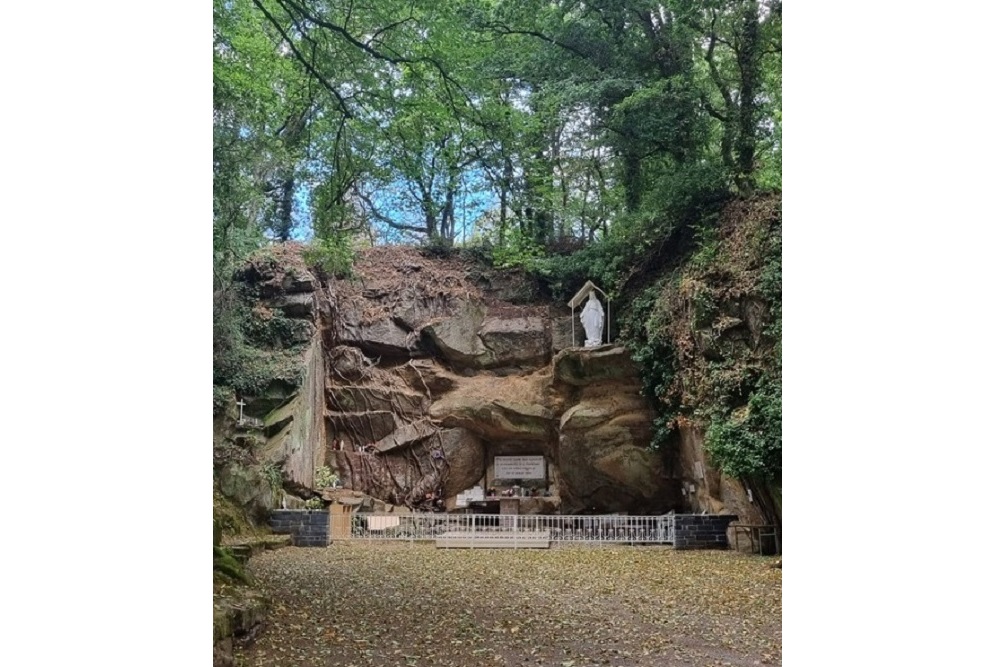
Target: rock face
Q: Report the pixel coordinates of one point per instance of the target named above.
(295, 429)
(240, 615)
(472, 339)
(282, 437)
(705, 488)
(247, 488)
(604, 456)
(431, 376)
(722, 317)
(602, 363)
(418, 373)
(445, 462)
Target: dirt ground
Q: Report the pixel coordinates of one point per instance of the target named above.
(413, 605)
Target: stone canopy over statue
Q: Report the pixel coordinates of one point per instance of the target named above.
(592, 316)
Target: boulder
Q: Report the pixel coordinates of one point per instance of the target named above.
(472, 339)
(464, 454)
(495, 419)
(457, 337)
(513, 341)
(382, 338)
(299, 282)
(416, 311)
(347, 363)
(247, 487)
(604, 460)
(238, 613)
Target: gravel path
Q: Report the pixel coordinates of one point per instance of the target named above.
(413, 605)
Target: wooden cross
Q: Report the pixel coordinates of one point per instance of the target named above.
(241, 403)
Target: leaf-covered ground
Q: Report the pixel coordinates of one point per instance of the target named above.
(414, 605)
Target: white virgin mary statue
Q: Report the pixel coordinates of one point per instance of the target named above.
(592, 318)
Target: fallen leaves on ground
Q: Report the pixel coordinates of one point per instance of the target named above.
(357, 605)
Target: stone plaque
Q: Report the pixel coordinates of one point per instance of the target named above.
(519, 467)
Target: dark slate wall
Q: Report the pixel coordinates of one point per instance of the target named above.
(702, 531)
(308, 528)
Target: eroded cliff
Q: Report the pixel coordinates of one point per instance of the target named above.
(412, 376)
(437, 366)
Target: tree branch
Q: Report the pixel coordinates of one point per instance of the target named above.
(506, 31)
(386, 220)
(341, 102)
(714, 70)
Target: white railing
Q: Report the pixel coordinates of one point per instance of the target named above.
(605, 528)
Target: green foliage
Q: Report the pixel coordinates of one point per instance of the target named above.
(770, 285)
(333, 255)
(226, 564)
(249, 370)
(243, 358)
(325, 478)
(222, 397)
(606, 262)
(264, 327)
(644, 330)
(519, 249)
(272, 473)
(313, 504)
(398, 116)
(707, 243)
(746, 443)
(691, 195)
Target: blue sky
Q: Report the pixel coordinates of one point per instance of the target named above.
(474, 200)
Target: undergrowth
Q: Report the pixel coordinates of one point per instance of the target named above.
(253, 346)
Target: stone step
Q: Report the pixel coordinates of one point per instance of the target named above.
(243, 548)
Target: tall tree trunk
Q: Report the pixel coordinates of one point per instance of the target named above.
(748, 58)
(284, 231)
(632, 179)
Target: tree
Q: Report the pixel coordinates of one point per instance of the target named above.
(573, 116)
(742, 52)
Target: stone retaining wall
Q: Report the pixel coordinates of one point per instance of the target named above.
(702, 531)
(308, 528)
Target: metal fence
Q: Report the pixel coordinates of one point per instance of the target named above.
(608, 529)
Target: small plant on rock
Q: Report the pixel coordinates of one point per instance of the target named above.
(325, 478)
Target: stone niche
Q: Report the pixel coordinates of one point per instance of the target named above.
(511, 465)
(522, 479)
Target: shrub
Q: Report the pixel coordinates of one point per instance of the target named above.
(747, 442)
(332, 255)
(324, 478)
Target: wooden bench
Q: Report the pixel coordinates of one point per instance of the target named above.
(756, 533)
